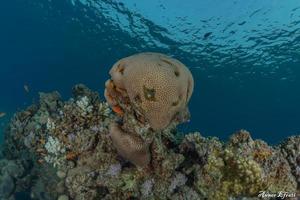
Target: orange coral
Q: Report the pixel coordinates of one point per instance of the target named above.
(71, 156)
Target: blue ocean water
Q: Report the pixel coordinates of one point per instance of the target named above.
(244, 55)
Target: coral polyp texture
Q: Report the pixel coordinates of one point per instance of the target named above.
(80, 150)
(155, 86)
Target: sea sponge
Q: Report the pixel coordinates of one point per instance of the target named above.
(130, 146)
(157, 87)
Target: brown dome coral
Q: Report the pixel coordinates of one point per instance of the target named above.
(156, 87)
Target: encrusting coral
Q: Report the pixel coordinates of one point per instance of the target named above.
(79, 150)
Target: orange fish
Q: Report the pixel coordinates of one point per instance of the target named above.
(118, 110)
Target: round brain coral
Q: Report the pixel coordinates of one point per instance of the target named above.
(158, 87)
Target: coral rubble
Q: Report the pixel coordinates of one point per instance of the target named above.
(63, 150)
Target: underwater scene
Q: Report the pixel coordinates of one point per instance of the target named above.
(154, 100)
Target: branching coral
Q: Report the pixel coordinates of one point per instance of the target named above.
(55, 151)
(84, 105)
(53, 146)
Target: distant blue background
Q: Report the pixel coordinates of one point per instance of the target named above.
(244, 55)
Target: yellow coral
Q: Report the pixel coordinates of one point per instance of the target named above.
(232, 175)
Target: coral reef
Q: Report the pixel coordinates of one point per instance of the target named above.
(242, 167)
(80, 150)
(60, 150)
(291, 151)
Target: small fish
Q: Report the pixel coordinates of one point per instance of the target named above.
(242, 23)
(118, 110)
(2, 114)
(26, 88)
(206, 35)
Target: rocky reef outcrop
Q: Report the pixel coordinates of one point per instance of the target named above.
(80, 150)
(63, 150)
